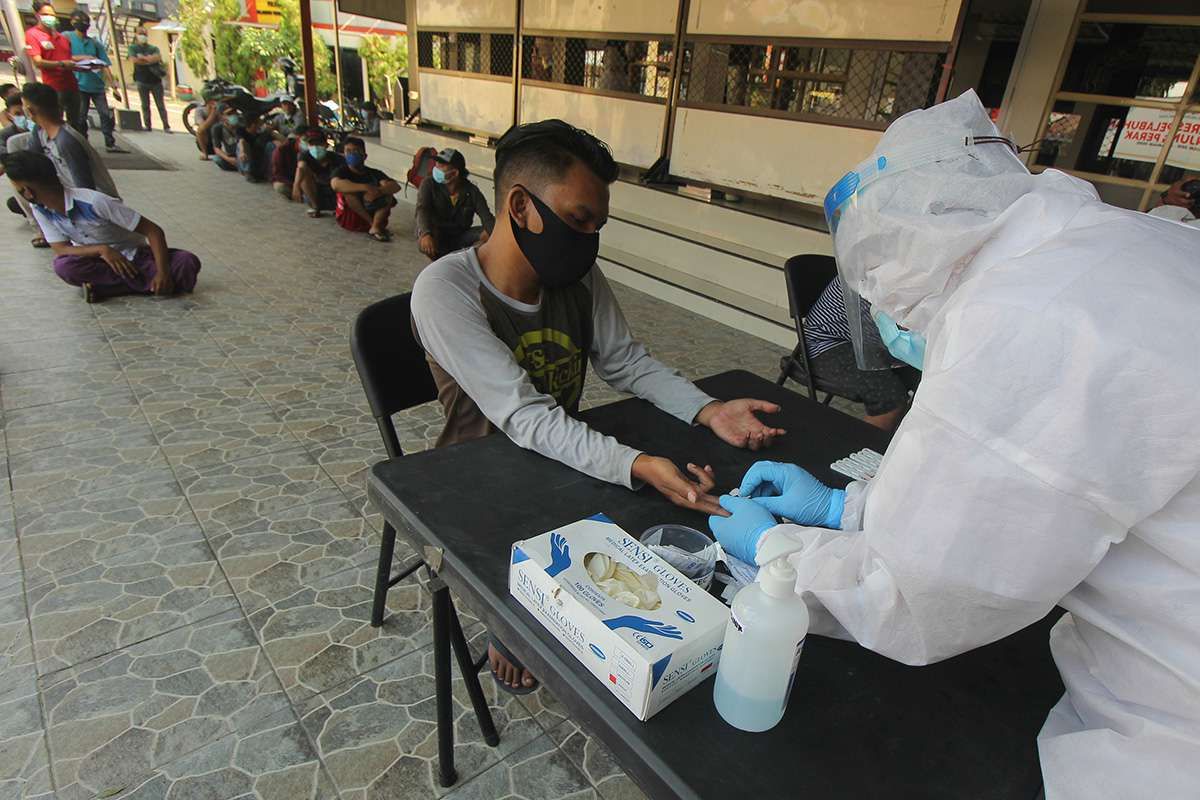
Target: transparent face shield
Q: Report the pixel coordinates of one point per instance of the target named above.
(842, 203)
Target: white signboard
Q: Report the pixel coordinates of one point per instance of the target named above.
(1145, 131)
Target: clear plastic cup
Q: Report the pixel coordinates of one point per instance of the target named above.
(688, 550)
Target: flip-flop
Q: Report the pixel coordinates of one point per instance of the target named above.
(380, 236)
(39, 242)
(313, 213)
(511, 659)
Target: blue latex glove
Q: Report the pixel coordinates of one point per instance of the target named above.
(786, 490)
(739, 534)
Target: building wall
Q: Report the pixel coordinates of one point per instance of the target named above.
(616, 16)
(632, 128)
(909, 20)
(472, 104)
(466, 13)
(785, 158)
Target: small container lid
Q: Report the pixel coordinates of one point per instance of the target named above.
(778, 578)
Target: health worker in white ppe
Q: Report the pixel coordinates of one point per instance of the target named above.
(1051, 453)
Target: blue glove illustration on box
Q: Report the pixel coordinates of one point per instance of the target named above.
(643, 625)
(560, 555)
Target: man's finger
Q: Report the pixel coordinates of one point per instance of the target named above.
(764, 406)
(704, 477)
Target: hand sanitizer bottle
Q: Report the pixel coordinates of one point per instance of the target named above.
(763, 641)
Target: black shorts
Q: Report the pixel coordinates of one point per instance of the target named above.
(880, 391)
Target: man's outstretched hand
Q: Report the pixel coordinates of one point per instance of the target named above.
(734, 421)
(663, 475)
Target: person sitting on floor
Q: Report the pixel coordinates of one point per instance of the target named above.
(284, 159)
(509, 328)
(254, 149)
(78, 164)
(7, 90)
(447, 207)
(884, 392)
(368, 195)
(205, 118)
(289, 120)
(99, 243)
(18, 123)
(314, 172)
(225, 137)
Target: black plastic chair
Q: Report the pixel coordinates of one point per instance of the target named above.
(395, 376)
(806, 277)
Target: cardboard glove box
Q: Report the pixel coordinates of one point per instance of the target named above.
(647, 657)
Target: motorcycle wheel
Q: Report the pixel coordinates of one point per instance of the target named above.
(188, 110)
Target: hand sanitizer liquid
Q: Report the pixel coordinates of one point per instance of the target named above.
(763, 641)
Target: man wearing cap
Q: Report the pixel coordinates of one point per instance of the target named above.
(447, 207)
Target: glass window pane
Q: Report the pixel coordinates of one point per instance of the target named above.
(1108, 140)
(835, 61)
(1127, 60)
(1184, 156)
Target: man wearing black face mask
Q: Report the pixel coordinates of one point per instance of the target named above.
(510, 326)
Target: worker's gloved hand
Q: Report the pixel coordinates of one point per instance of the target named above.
(792, 492)
(740, 533)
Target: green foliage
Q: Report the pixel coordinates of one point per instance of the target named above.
(289, 30)
(193, 14)
(240, 51)
(387, 59)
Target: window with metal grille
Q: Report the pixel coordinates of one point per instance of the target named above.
(867, 87)
(635, 67)
(466, 51)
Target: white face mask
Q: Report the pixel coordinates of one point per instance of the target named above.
(141, 38)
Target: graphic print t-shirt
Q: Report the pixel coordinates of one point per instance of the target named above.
(520, 368)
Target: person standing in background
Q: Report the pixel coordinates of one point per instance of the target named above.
(50, 52)
(148, 72)
(93, 83)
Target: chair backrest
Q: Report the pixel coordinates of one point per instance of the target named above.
(391, 363)
(807, 276)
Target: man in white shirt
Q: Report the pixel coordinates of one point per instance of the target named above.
(99, 242)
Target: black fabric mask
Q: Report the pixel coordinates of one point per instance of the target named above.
(560, 255)
(81, 26)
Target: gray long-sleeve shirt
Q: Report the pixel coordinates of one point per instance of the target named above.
(520, 368)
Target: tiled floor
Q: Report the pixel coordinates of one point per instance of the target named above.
(185, 564)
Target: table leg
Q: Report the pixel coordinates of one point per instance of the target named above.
(470, 674)
(441, 676)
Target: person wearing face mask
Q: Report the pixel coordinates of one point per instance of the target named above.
(18, 124)
(1049, 458)
(510, 326)
(447, 206)
(225, 138)
(50, 52)
(314, 172)
(148, 74)
(367, 195)
(93, 83)
(16, 137)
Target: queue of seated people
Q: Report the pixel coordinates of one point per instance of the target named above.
(67, 195)
(299, 163)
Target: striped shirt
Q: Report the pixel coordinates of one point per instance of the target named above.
(825, 325)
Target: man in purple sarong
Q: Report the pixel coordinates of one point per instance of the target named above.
(100, 243)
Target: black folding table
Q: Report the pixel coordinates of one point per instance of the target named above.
(858, 725)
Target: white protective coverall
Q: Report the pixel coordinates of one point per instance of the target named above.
(1050, 456)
